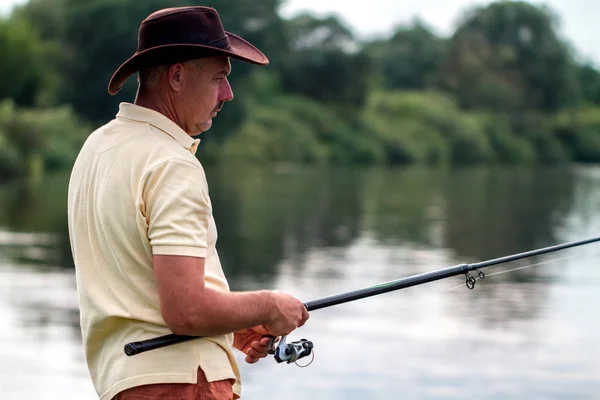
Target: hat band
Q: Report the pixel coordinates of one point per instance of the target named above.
(222, 43)
(162, 40)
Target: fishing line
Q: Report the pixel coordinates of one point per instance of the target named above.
(529, 266)
(478, 278)
(516, 269)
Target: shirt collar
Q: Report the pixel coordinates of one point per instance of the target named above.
(137, 113)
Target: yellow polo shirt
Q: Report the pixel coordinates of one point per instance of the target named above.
(137, 189)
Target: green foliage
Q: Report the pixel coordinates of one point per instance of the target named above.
(96, 36)
(38, 139)
(538, 131)
(579, 131)
(470, 144)
(296, 129)
(408, 60)
(345, 140)
(10, 160)
(508, 147)
(64, 134)
(273, 135)
(512, 45)
(589, 80)
(324, 64)
(427, 128)
(473, 72)
(503, 88)
(21, 68)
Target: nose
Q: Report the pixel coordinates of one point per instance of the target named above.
(225, 91)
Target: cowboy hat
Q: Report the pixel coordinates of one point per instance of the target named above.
(180, 34)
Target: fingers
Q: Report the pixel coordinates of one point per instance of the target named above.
(261, 346)
(305, 316)
(257, 350)
(242, 342)
(251, 360)
(253, 357)
(291, 313)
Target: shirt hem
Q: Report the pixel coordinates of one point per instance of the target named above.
(147, 380)
(211, 376)
(179, 251)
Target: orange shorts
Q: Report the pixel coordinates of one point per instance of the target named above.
(203, 390)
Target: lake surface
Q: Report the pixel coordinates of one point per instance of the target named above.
(530, 333)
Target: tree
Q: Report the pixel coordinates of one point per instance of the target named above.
(408, 60)
(513, 48)
(96, 36)
(589, 80)
(21, 65)
(323, 62)
(49, 17)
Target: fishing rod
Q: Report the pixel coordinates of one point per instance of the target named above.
(291, 352)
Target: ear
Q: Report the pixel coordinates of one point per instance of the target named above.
(175, 76)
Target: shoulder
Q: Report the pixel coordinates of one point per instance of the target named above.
(176, 177)
(154, 149)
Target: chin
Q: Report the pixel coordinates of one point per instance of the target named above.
(206, 125)
(202, 127)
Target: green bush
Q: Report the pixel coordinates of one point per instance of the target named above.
(40, 139)
(272, 135)
(468, 141)
(537, 129)
(296, 129)
(579, 132)
(507, 147)
(11, 165)
(426, 127)
(345, 140)
(21, 67)
(64, 135)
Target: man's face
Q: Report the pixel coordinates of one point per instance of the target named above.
(204, 92)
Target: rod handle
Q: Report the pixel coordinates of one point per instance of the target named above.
(134, 348)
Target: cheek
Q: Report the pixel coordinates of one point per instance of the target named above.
(209, 100)
(208, 96)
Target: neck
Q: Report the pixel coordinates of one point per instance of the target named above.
(158, 103)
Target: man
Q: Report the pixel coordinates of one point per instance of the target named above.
(142, 231)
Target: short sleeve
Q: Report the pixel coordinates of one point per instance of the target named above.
(177, 209)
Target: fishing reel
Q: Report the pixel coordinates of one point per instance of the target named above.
(291, 352)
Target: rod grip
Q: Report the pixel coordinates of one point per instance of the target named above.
(134, 348)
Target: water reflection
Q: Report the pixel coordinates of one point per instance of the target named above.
(531, 333)
(491, 212)
(39, 334)
(265, 215)
(40, 210)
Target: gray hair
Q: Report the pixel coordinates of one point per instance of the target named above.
(149, 78)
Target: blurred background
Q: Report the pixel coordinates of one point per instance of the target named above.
(383, 140)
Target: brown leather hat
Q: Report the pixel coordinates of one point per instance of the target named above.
(180, 34)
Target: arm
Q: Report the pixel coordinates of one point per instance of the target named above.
(190, 308)
(178, 210)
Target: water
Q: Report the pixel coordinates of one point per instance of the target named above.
(532, 333)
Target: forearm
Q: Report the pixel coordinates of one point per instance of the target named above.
(190, 308)
(212, 313)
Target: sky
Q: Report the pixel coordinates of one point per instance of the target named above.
(579, 19)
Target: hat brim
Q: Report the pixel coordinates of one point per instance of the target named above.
(239, 49)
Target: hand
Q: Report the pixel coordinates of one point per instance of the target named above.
(289, 313)
(254, 342)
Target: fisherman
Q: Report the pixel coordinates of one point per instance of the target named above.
(142, 230)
